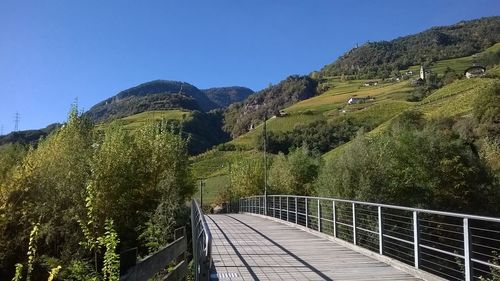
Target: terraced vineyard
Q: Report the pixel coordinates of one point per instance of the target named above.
(137, 121)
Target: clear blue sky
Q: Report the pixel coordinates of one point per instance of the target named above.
(54, 51)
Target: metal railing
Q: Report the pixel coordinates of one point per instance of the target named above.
(450, 245)
(202, 243)
(158, 262)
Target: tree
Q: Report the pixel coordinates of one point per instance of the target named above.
(248, 177)
(295, 173)
(415, 163)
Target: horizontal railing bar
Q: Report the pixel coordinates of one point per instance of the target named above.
(482, 229)
(437, 271)
(441, 223)
(442, 244)
(486, 263)
(486, 246)
(442, 237)
(441, 251)
(488, 238)
(344, 224)
(399, 233)
(367, 230)
(441, 229)
(400, 246)
(443, 266)
(397, 239)
(457, 215)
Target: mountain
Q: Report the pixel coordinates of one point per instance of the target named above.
(240, 116)
(381, 59)
(154, 95)
(225, 96)
(28, 137)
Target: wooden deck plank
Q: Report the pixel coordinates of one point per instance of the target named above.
(247, 247)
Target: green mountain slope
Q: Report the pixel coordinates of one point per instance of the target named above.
(225, 96)
(454, 100)
(202, 130)
(240, 117)
(380, 59)
(154, 95)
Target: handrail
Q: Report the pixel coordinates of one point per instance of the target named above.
(458, 215)
(450, 245)
(202, 243)
(157, 262)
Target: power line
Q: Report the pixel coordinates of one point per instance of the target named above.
(17, 118)
(265, 164)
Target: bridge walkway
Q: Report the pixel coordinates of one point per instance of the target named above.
(247, 247)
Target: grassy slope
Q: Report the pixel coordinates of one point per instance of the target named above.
(452, 100)
(328, 105)
(459, 65)
(213, 166)
(136, 121)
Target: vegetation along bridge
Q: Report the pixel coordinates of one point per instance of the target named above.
(310, 238)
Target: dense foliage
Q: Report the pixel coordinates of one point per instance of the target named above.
(294, 173)
(320, 136)
(90, 194)
(240, 116)
(381, 59)
(27, 137)
(225, 96)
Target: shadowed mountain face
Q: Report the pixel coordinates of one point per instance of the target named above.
(163, 95)
(154, 95)
(225, 96)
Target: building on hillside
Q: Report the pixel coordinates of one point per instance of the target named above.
(475, 71)
(355, 100)
(422, 73)
(421, 78)
(370, 83)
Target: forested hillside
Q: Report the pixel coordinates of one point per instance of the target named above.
(225, 96)
(240, 116)
(385, 58)
(154, 95)
(27, 137)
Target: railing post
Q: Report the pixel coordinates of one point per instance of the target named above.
(307, 215)
(380, 232)
(415, 239)
(274, 207)
(281, 211)
(354, 223)
(319, 216)
(334, 214)
(467, 251)
(287, 209)
(296, 212)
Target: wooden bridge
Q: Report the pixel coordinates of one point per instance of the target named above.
(247, 247)
(283, 237)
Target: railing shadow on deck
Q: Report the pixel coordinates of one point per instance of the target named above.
(449, 245)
